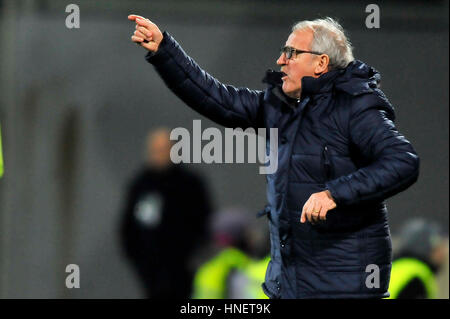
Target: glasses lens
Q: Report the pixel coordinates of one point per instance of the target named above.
(286, 51)
(289, 52)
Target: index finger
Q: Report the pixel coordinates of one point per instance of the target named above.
(144, 22)
(133, 17)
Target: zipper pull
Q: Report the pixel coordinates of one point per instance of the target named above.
(327, 163)
(327, 158)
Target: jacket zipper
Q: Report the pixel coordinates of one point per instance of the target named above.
(326, 163)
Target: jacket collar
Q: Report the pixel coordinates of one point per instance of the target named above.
(273, 79)
(310, 85)
(357, 76)
(322, 84)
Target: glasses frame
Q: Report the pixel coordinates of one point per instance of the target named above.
(289, 51)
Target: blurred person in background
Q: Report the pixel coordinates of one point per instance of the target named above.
(240, 255)
(246, 283)
(165, 221)
(422, 251)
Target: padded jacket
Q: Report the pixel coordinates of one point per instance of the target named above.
(339, 136)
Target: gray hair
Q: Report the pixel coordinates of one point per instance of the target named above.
(330, 39)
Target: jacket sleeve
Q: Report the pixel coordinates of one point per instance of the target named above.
(392, 164)
(223, 104)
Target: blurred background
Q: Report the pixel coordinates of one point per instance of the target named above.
(76, 106)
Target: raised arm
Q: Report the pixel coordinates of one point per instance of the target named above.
(224, 104)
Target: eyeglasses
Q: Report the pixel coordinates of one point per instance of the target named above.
(289, 52)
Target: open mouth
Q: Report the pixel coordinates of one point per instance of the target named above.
(283, 75)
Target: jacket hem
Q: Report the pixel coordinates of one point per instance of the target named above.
(344, 296)
(268, 293)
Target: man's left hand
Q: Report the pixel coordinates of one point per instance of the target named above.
(317, 206)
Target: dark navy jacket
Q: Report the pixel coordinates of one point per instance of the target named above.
(340, 136)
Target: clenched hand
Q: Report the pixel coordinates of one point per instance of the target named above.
(317, 206)
(147, 34)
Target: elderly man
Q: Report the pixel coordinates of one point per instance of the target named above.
(339, 157)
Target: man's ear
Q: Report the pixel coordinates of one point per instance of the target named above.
(322, 64)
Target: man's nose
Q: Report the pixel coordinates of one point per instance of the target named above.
(282, 59)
